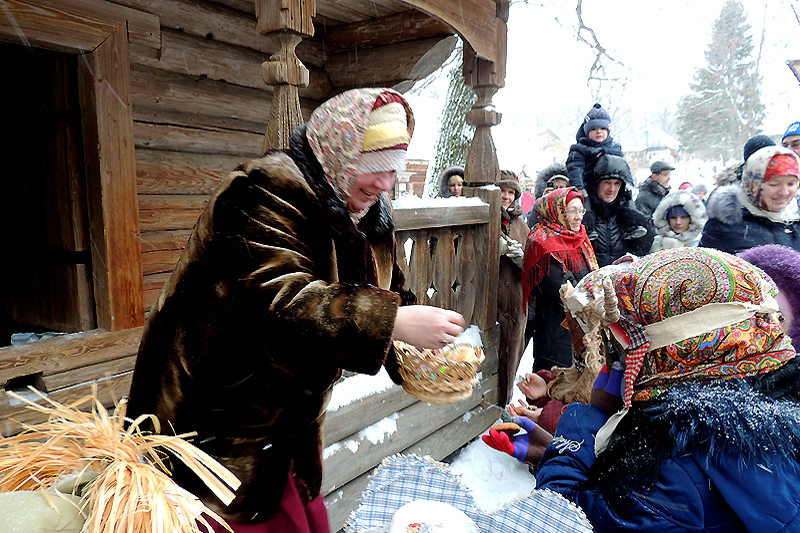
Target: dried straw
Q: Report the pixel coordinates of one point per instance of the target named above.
(132, 491)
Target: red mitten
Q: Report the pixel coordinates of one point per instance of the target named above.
(499, 441)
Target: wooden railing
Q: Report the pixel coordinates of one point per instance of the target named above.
(451, 263)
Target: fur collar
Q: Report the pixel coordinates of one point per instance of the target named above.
(728, 204)
(655, 187)
(710, 421)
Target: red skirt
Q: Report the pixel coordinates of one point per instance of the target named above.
(293, 516)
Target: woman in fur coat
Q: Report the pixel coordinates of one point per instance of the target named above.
(761, 209)
(510, 305)
(679, 220)
(289, 277)
(709, 436)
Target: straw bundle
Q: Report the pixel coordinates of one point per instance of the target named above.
(439, 376)
(130, 489)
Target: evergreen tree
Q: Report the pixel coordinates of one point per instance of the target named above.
(724, 107)
(455, 134)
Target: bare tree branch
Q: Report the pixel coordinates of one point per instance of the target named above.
(594, 43)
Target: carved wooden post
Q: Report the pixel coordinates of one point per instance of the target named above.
(288, 21)
(485, 78)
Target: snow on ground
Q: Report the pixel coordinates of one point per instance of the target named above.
(494, 478)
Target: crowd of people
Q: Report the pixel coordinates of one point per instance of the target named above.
(692, 422)
(645, 364)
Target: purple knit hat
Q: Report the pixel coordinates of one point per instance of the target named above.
(782, 264)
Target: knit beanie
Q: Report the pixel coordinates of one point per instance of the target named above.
(756, 143)
(676, 211)
(386, 137)
(793, 129)
(597, 117)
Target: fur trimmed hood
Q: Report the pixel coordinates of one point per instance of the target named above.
(729, 204)
(444, 177)
(544, 175)
(728, 175)
(692, 204)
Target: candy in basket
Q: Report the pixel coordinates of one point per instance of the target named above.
(439, 376)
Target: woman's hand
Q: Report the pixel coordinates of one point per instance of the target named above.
(425, 326)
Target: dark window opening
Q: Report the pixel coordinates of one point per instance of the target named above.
(47, 286)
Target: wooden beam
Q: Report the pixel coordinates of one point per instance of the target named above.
(142, 28)
(223, 25)
(202, 141)
(388, 65)
(475, 20)
(342, 464)
(168, 172)
(206, 58)
(170, 212)
(52, 29)
(68, 352)
(406, 26)
(105, 96)
(411, 218)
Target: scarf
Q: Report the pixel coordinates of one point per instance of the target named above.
(336, 133)
(699, 315)
(551, 238)
(760, 167)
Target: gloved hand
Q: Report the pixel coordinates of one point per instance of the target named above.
(607, 388)
(514, 250)
(525, 447)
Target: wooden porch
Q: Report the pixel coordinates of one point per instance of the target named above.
(165, 97)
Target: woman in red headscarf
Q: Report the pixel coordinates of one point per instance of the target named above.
(557, 251)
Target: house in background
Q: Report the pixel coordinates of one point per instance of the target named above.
(652, 145)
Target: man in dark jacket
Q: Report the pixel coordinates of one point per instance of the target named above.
(654, 188)
(614, 225)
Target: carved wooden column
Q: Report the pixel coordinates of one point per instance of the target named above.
(287, 21)
(485, 78)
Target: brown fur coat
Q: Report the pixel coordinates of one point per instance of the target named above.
(276, 291)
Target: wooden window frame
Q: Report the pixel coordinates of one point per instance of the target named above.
(99, 33)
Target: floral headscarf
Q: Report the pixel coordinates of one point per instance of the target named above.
(697, 314)
(336, 131)
(551, 237)
(756, 169)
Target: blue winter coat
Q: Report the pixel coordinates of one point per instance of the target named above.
(695, 491)
(732, 228)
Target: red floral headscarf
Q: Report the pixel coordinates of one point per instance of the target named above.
(696, 314)
(552, 238)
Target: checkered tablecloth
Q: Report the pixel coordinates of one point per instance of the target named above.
(401, 479)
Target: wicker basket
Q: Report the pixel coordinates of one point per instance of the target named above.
(439, 376)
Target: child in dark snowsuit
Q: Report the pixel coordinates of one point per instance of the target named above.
(593, 136)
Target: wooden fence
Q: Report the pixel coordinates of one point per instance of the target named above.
(449, 256)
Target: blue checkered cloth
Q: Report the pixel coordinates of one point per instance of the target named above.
(401, 479)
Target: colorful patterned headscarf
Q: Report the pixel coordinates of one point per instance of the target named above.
(757, 170)
(697, 314)
(336, 132)
(552, 238)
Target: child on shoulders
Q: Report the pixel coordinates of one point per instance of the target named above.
(593, 140)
